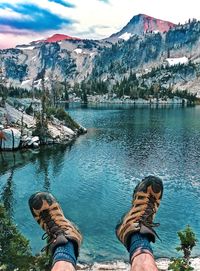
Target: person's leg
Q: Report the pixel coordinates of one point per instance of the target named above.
(64, 238)
(63, 266)
(144, 262)
(136, 229)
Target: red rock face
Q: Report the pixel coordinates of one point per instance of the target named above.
(58, 37)
(152, 24)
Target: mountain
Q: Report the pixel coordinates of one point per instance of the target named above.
(75, 60)
(53, 39)
(57, 38)
(139, 25)
(70, 59)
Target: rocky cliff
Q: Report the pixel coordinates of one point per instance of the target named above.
(69, 59)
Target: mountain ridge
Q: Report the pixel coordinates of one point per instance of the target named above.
(75, 61)
(138, 25)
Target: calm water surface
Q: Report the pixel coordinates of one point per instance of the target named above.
(94, 178)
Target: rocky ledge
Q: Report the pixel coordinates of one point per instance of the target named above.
(162, 264)
(17, 130)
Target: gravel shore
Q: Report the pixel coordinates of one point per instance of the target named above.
(162, 264)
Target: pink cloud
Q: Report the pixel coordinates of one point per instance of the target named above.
(11, 40)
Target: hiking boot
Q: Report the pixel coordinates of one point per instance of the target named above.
(49, 215)
(146, 200)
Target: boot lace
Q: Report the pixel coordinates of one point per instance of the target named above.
(147, 217)
(53, 230)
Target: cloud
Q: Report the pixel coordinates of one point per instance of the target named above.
(83, 19)
(63, 3)
(4, 29)
(105, 1)
(39, 19)
(91, 32)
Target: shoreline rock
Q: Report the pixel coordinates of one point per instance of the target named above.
(10, 139)
(162, 264)
(17, 130)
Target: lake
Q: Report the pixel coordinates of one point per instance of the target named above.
(94, 178)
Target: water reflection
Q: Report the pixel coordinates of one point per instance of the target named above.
(46, 160)
(43, 157)
(7, 195)
(13, 160)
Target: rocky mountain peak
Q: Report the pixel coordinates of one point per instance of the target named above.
(141, 24)
(153, 24)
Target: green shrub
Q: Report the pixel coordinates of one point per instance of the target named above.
(187, 243)
(15, 251)
(179, 264)
(62, 115)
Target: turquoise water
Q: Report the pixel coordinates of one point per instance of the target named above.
(94, 178)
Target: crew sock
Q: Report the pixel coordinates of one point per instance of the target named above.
(139, 242)
(65, 253)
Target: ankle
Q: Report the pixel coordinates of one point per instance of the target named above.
(63, 266)
(140, 251)
(143, 262)
(139, 244)
(65, 254)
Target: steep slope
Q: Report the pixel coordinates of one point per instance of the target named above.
(139, 25)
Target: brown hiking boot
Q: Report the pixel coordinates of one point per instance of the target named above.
(49, 215)
(146, 200)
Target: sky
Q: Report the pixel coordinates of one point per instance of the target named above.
(22, 21)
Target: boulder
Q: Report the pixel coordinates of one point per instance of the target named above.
(29, 141)
(9, 139)
(33, 140)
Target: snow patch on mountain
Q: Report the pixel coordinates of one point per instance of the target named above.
(78, 51)
(24, 83)
(34, 58)
(126, 36)
(26, 48)
(177, 61)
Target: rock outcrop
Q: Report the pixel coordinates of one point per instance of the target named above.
(17, 130)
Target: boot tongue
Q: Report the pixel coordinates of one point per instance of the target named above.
(61, 240)
(148, 231)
